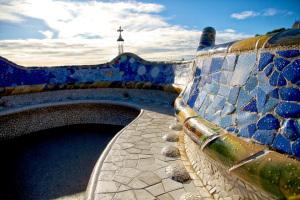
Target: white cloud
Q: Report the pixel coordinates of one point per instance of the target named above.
(244, 15)
(48, 34)
(85, 32)
(229, 30)
(269, 12)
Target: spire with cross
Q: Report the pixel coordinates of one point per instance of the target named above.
(120, 41)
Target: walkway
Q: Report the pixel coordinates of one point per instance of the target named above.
(135, 169)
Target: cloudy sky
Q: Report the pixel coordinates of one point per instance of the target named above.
(65, 32)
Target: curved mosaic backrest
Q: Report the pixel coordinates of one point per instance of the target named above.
(255, 95)
(125, 68)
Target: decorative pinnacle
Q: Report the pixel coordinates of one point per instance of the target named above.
(120, 39)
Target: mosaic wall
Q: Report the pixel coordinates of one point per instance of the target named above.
(125, 68)
(254, 96)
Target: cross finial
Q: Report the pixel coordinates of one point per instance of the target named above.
(120, 29)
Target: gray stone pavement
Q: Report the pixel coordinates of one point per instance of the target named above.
(135, 168)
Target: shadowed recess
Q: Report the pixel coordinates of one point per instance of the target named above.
(52, 163)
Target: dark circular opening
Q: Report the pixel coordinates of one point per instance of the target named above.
(52, 163)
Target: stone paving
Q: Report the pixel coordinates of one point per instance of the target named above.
(136, 169)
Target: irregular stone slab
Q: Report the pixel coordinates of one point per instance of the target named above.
(178, 172)
(107, 186)
(171, 185)
(176, 127)
(149, 178)
(128, 195)
(170, 151)
(156, 189)
(171, 137)
(143, 195)
(191, 196)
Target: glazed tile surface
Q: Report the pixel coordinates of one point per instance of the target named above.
(253, 96)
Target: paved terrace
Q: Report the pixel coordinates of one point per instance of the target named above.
(132, 166)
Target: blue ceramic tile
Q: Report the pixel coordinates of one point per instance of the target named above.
(288, 53)
(226, 121)
(269, 69)
(186, 93)
(223, 78)
(274, 78)
(213, 116)
(206, 66)
(280, 63)
(262, 78)
(275, 93)
(261, 99)
(244, 132)
(192, 98)
(264, 136)
(231, 129)
(251, 106)
(296, 148)
(209, 113)
(251, 129)
(243, 98)
(216, 64)
(248, 131)
(200, 99)
(281, 80)
(288, 109)
(266, 88)
(264, 60)
(229, 62)
(290, 94)
(244, 66)
(194, 92)
(291, 129)
(219, 102)
(204, 106)
(228, 77)
(212, 88)
(246, 118)
(268, 122)
(292, 71)
(216, 76)
(197, 72)
(228, 109)
(224, 90)
(251, 83)
(282, 144)
(269, 105)
(233, 94)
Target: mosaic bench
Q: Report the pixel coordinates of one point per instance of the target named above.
(239, 108)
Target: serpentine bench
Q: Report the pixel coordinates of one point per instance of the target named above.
(238, 104)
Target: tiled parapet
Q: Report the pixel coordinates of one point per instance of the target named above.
(242, 109)
(289, 37)
(249, 44)
(127, 70)
(266, 170)
(254, 96)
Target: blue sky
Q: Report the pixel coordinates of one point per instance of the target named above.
(217, 13)
(53, 32)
